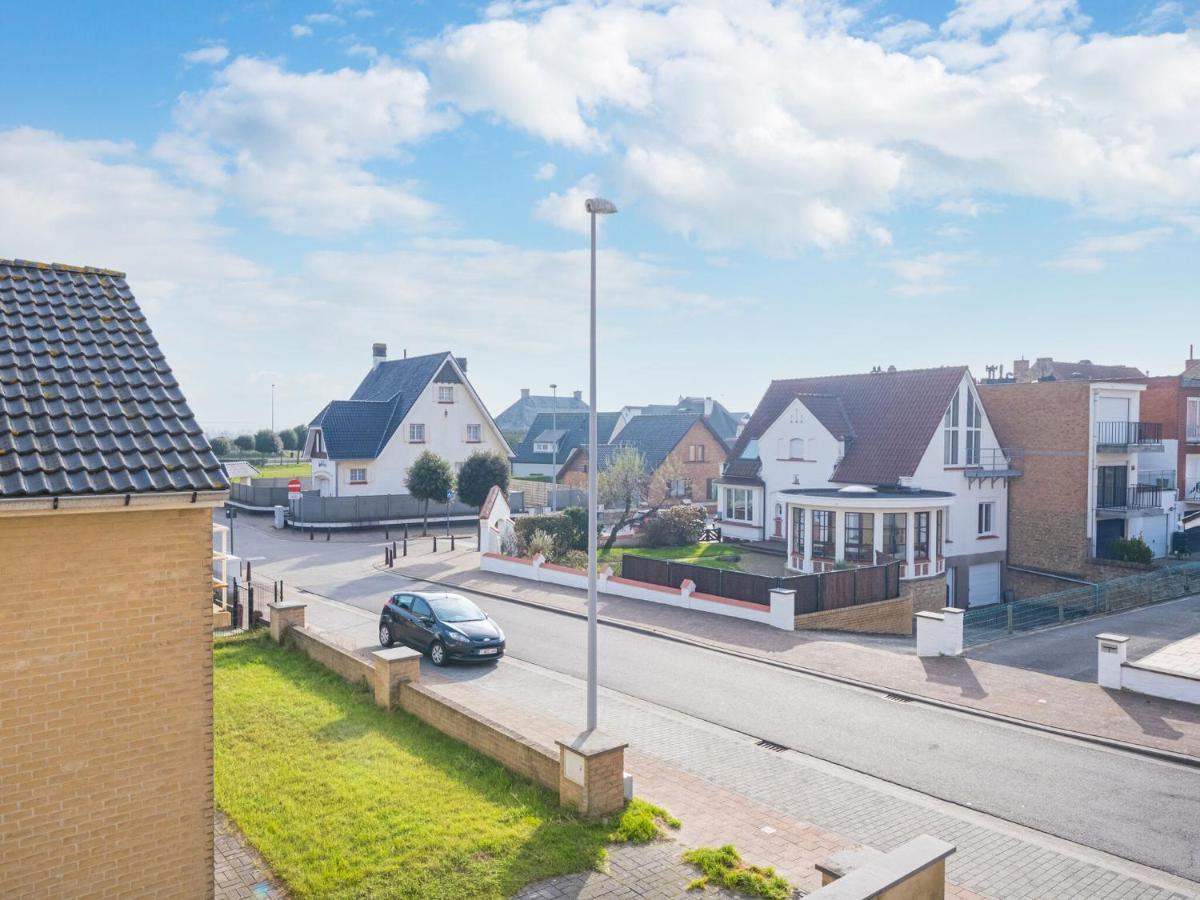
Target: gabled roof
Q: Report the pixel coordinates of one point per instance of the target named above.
(652, 436)
(574, 429)
(1190, 377)
(88, 404)
(360, 427)
(890, 418)
(520, 416)
(723, 423)
(1083, 370)
(830, 412)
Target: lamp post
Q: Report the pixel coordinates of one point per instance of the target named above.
(595, 207)
(554, 456)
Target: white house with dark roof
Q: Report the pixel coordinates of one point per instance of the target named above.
(861, 469)
(365, 445)
(517, 420)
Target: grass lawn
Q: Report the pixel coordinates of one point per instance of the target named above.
(345, 800)
(295, 470)
(699, 554)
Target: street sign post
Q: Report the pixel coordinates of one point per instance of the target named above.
(449, 498)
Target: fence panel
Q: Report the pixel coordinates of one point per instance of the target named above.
(837, 589)
(807, 599)
(748, 587)
(643, 568)
(707, 578)
(870, 584)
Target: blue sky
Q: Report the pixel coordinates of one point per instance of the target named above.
(805, 188)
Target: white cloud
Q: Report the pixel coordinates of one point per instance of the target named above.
(299, 31)
(964, 206)
(545, 172)
(364, 50)
(1090, 254)
(771, 126)
(293, 147)
(901, 34)
(323, 19)
(927, 275)
(566, 209)
(206, 55)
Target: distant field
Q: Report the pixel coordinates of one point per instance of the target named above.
(296, 470)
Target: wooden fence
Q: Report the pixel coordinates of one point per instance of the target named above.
(814, 593)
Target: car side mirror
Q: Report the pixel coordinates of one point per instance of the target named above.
(426, 620)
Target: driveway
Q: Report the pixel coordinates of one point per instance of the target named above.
(1070, 651)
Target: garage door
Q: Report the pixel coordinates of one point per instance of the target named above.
(984, 584)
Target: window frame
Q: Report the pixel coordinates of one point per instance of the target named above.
(445, 393)
(974, 431)
(921, 536)
(736, 497)
(798, 530)
(361, 480)
(862, 525)
(950, 429)
(478, 439)
(412, 432)
(985, 511)
(895, 548)
(824, 534)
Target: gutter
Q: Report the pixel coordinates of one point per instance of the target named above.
(80, 503)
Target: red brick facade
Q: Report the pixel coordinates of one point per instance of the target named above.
(1165, 400)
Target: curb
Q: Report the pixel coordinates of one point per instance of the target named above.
(1170, 756)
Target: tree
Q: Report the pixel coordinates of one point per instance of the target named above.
(267, 442)
(244, 442)
(287, 438)
(482, 470)
(627, 485)
(221, 446)
(301, 436)
(429, 478)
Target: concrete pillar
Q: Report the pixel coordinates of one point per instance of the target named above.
(1110, 656)
(393, 667)
(877, 535)
(910, 530)
(933, 542)
(929, 633)
(284, 616)
(808, 539)
(952, 631)
(839, 536)
(591, 774)
(783, 609)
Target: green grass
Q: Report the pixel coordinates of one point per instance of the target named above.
(295, 470)
(723, 866)
(698, 554)
(345, 800)
(643, 822)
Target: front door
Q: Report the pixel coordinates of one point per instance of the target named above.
(1107, 531)
(779, 521)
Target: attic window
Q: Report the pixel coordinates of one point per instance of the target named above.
(543, 447)
(445, 393)
(416, 433)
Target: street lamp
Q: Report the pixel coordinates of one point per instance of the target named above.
(595, 207)
(554, 456)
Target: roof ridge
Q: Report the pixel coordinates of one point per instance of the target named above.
(866, 374)
(59, 267)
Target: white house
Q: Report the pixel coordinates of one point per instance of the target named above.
(862, 469)
(403, 407)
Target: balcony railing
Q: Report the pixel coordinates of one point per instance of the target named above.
(1193, 434)
(1128, 434)
(1141, 496)
(1160, 478)
(994, 462)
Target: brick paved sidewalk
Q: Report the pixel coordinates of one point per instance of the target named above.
(240, 873)
(889, 664)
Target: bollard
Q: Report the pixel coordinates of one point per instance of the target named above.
(249, 608)
(406, 545)
(393, 548)
(406, 531)
(328, 532)
(451, 542)
(1010, 618)
(311, 532)
(247, 571)
(435, 543)
(386, 536)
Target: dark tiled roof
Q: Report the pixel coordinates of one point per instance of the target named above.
(521, 415)
(830, 412)
(1190, 377)
(1084, 369)
(722, 422)
(575, 434)
(88, 404)
(653, 436)
(892, 416)
(360, 427)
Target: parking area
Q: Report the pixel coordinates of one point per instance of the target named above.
(1070, 651)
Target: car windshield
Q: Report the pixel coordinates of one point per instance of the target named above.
(452, 608)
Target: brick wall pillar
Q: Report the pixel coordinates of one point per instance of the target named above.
(591, 774)
(285, 616)
(394, 667)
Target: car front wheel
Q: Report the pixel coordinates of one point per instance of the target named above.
(437, 653)
(385, 634)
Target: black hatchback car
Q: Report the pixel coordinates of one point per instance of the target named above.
(446, 626)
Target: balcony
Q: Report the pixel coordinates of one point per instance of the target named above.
(1139, 498)
(994, 462)
(1193, 434)
(1160, 478)
(1121, 437)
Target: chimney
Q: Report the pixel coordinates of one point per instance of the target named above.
(1021, 371)
(462, 363)
(524, 393)
(708, 407)
(891, 370)
(579, 395)
(378, 354)
(1191, 360)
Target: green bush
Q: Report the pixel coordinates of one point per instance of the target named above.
(675, 527)
(1131, 550)
(579, 518)
(576, 559)
(562, 528)
(540, 542)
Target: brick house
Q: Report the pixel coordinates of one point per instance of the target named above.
(694, 449)
(1174, 400)
(107, 487)
(1085, 445)
(862, 469)
(551, 438)
(1046, 368)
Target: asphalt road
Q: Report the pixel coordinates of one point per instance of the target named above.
(1137, 808)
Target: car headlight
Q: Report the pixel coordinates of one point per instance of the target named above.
(455, 638)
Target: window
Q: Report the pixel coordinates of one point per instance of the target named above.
(696, 453)
(421, 609)
(860, 537)
(796, 448)
(404, 601)
(1193, 420)
(941, 536)
(797, 531)
(822, 533)
(895, 535)
(542, 446)
(358, 476)
(739, 504)
(445, 393)
(921, 536)
(416, 434)
(474, 434)
(680, 487)
(950, 433)
(987, 512)
(974, 429)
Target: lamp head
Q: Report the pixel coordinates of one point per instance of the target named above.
(599, 206)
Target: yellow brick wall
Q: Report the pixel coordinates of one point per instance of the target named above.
(106, 705)
(884, 617)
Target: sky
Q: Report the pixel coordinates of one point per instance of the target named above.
(804, 188)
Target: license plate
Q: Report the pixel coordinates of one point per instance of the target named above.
(488, 651)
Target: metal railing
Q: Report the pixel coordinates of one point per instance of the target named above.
(1160, 478)
(1141, 496)
(1124, 434)
(996, 461)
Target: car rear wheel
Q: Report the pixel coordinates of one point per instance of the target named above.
(385, 634)
(437, 653)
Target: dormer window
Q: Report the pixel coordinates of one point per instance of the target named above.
(543, 447)
(445, 393)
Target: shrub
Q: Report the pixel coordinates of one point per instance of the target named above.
(1131, 550)
(579, 519)
(561, 529)
(244, 441)
(675, 527)
(221, 446)
(539, 542)
(576, 559)
(479, 474)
